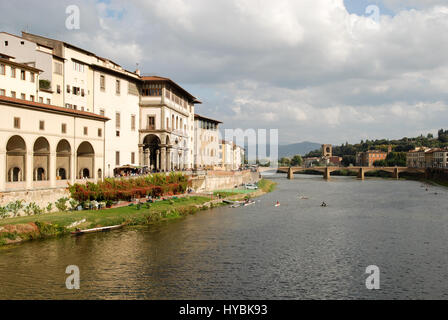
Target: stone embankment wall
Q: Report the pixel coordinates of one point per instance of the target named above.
(218, 180)
(212, 180)
(40, 197)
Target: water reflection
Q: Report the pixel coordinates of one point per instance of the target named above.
(297, 251)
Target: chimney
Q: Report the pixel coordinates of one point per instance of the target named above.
(138, 72)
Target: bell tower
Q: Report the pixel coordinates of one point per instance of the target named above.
(327, 150)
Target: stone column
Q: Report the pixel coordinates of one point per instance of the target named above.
(157, 160)
(181, 161)
(163, 160)
(168, 159)
(52, 170)
(29, 169)
(145, 157)
(149, 159)
(73, 166)
(290, 174)
(3, 173)
(140, 154)
(361, 174)
(327, 173)
(396, 173)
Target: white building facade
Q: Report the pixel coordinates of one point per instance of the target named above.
(44, 146)
(206, 137)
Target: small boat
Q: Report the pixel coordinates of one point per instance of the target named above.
(238, 204)
(304, 198)
(277, 204)
(95, 230)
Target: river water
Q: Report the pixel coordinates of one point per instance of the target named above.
(299, 250)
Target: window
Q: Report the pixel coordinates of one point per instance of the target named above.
(58, 68)
(76, 90)
(117, 120)
(17, 123)
(41, 125)
(48, 101)
(13, 72)
(100, 132)
(133, 122)
(6, 43)
(64, 128)
(2, 69)
(22, 96)
(32, 76)
(22, 43)
(86, 131)
(132, 157)
(117, 87)
(68, 88)
(102, 82)
(31, 98)
(2, 92)
(41, 100)
(117, 158)
(153, 90)
(58, 88)
(102, 112)
(13, 94)
(22, 75)
(117, 133)
(82, 93)
(78, 66)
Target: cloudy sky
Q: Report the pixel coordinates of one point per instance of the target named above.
(326, 71)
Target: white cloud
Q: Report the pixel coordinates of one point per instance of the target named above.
(307, 67)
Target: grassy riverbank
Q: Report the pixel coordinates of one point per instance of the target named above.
(19, 229)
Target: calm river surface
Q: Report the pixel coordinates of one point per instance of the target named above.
(297, 251)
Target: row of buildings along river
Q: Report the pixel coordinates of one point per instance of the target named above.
(68, 114)
(421, 157)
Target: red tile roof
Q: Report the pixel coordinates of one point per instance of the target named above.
(51, 108)
(157, 78)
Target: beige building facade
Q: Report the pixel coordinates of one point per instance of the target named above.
(166, 139)
(44, 146)
(206, 137)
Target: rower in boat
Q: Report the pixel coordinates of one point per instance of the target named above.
(323, 204)
(277, 204)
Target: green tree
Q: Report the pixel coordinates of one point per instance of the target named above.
(285, 162)
(348, 160)
(296, 161)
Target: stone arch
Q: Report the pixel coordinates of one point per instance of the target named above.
(85, 160)
(63, 156)
(167, 140)
(151, 152)
(15, 159)
(41, 159)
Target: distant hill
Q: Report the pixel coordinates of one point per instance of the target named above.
(301, 148)
(289, 150)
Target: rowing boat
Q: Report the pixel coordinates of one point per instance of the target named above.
(238, 204)
(95, 230)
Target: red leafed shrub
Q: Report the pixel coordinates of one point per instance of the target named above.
(126, 189)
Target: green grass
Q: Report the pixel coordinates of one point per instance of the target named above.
(266, 185)
(57, 224)
(232, 192)
(109, 217)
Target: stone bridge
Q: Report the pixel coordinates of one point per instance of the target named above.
(326, 171)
